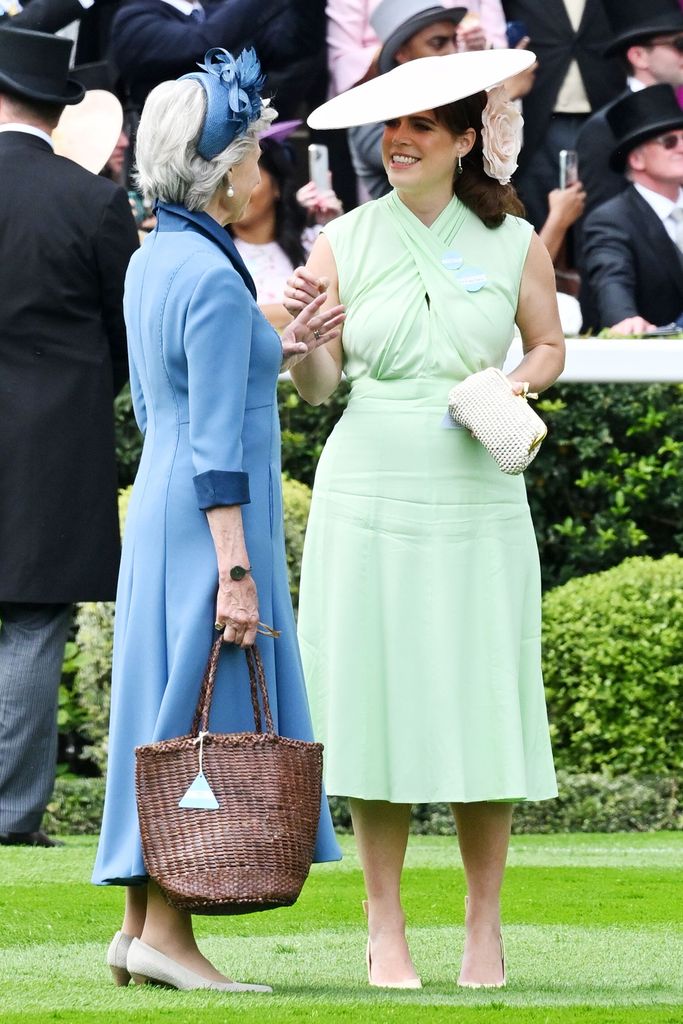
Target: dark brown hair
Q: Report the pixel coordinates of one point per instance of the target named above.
(483, 195)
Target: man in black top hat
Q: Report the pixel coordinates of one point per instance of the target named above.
(633, 243)
(67, 236)
(648, 37)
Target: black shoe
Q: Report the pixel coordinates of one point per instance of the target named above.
(27, 839)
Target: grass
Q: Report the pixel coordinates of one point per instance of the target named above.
(593, 931)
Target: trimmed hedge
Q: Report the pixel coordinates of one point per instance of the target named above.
(613, 666)
(587, 803)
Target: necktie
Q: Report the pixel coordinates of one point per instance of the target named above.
(676, 216)
(198, 14)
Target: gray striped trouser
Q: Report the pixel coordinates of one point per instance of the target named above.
(32, 638)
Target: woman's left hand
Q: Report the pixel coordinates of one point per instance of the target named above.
(323, 205)
(310, 329)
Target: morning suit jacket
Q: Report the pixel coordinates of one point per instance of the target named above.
(66, 236)
(555, 43)
(594, 144)
(151, 42)
(630, 265)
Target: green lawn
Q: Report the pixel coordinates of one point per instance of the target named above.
(593, 933)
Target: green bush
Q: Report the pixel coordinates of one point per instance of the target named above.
(608, 482)
(613, 664)
(297, 501)
(586, 803)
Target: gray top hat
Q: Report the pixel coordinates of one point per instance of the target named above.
(395, 21)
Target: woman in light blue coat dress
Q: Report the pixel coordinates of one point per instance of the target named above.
(204, 537)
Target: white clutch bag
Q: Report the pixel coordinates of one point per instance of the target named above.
(502, 421)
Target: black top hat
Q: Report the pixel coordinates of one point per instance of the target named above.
(634, 21)
(35, 66)
(641, 116)
(395, 21)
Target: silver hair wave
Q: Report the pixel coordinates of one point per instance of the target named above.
(168, 165)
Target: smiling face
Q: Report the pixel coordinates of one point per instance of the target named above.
(420, 155)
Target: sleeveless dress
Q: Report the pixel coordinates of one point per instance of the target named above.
(419, 618)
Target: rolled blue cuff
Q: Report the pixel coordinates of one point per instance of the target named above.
(221, 487)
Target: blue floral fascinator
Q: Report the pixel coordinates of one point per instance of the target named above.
(233, 99)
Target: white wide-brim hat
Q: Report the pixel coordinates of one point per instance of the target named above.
(421, 84)
(88, 133)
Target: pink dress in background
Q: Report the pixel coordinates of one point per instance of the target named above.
(351, 41)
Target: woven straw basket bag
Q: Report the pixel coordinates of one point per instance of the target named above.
(245, 840)
(502, 421)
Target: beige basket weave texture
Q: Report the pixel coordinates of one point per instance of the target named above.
(502, 421)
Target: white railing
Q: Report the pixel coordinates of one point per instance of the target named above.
(617, 360)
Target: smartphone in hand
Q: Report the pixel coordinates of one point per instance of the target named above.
(569, 167)
(319, 166)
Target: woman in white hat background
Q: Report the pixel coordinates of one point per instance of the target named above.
(419, 617)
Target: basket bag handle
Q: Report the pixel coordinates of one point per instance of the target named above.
(257, 683)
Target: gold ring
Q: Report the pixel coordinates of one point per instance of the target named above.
(316, 334)
(220, 626)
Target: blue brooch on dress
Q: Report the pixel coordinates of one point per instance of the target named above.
(233, 99)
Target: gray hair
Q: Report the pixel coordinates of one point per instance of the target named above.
(168, 165)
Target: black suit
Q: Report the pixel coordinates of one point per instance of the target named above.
(151, 42)
(594, 144)
(630, 265)
(556, 45)
(65, 240)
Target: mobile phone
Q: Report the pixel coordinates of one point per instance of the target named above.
(569, 167)
(515, 32)
(319, 166)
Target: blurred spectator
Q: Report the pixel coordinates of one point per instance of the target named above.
(633, 243)
(353, 46)
(115, 167)
(649, 40)
(574, 78)
(155, 40)
(278, 228)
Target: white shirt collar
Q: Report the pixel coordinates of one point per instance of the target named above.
(184, 6)
(660, 204)
(28, 129)
(634, 84)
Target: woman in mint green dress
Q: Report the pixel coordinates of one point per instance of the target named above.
(419, 617)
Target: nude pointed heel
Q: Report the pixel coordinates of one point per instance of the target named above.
(117, 957)
(477, 984)
(407, 983)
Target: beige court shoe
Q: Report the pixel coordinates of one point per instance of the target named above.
(116, 957)
(147, 965)
(478, 984)
(405, 983)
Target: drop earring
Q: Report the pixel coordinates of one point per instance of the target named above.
(459, 167)
(229, 190)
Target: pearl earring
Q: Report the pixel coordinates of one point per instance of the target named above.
(229, 190)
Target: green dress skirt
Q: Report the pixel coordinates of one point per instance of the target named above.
(419, 617)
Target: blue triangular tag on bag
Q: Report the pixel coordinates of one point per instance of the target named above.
(200, 795)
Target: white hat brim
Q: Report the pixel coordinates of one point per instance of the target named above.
(88, 133)
(421, 84)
